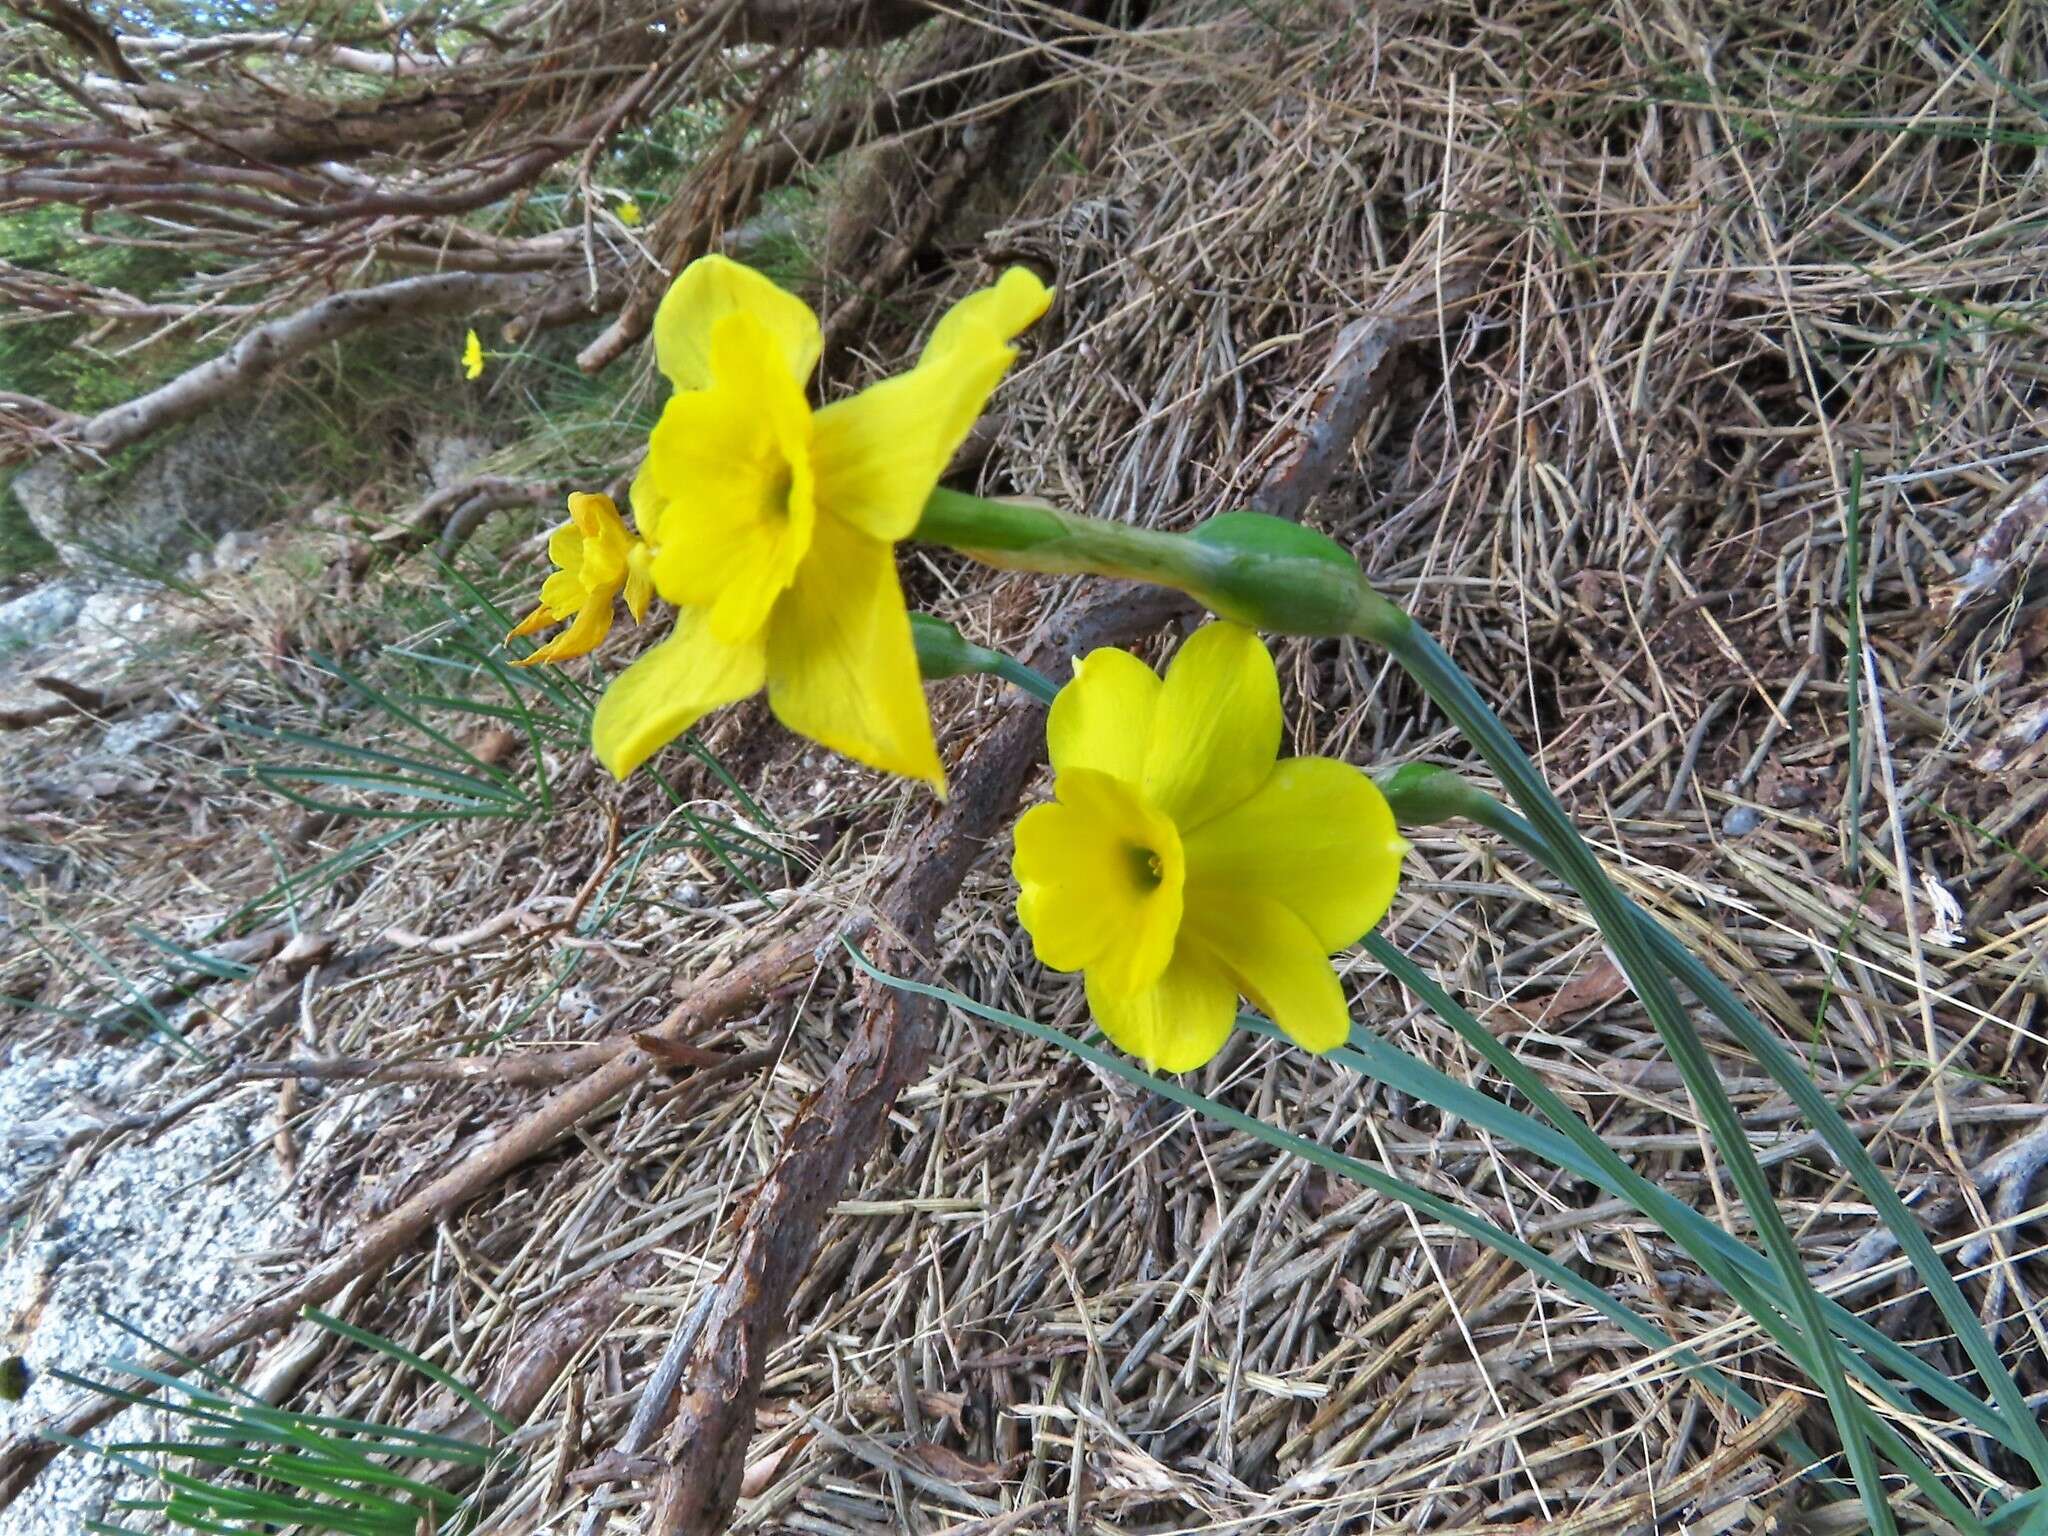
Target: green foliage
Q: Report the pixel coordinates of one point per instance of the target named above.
(255, 1468)
(62, 358)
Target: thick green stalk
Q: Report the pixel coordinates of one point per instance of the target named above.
(1451, 796)
(1259, 571)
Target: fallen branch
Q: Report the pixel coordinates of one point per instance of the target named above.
(278, 342)
(71, 699)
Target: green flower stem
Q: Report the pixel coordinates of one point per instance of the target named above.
(1434, 795)
(1258, 571)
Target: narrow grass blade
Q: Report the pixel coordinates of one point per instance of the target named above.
(1439, 677)
(2021, 1425)
(1376, 1179)
(426, 1368)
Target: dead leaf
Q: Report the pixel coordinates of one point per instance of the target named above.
(950, 1466)
(493, 745)
(760, 1473)
(1582, 994)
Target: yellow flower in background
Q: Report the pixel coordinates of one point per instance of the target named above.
(628, 212)
(472, 357)
(774, 526)
(1182, 864)
(598, 559)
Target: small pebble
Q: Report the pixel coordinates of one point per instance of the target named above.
(1740, 819)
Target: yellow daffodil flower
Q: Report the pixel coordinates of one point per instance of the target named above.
(472, 357)
(774, 526)
(628, 212)
(1182, 864)
(598, 559)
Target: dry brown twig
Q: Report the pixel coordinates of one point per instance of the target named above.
(321, 190)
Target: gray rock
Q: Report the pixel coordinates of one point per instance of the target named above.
(237, 550)
(450, 457)
(123, 613)
(1740, 821)
(40, 614)
(227, 470)
(166, 1233)
(127, 737)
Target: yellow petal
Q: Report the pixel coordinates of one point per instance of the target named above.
(593, 623)
(1014, 302)
(1278, 963)
(742, 509)
(1318, 837)
(1100, 878)
(880, 453)
(565, 548)
(709, 289)
(1179, 1022)
(669, 689)
(562, 593)
(1103, 718)
(472, 357)
(639, 579)
(629, 213)
(1071, 886)
(841, 666)
(651, 489)
(539, 619)
(1216, 731)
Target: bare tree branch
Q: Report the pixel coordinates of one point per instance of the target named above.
(279, 341)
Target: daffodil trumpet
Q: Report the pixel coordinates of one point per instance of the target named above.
(773, 526)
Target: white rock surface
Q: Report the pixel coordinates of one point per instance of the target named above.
(40, 613)
(163, 1233)
(224, 470)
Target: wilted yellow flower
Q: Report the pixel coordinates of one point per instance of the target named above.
(774, 526)
(598, 559)
(628, 212)
(1181, 864)
(472, 357)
